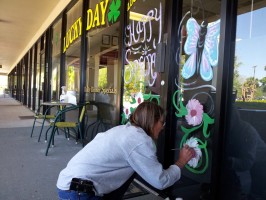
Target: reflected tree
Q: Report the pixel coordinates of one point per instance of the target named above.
(237, 86)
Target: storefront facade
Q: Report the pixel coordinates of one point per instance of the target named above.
(191, 57)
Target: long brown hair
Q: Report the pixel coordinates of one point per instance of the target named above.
(146, 115)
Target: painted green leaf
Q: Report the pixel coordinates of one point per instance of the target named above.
(207, 120)
(114, 12)
(124, 119)
(147, 96)
(133, 101)
(132, 109)
(189, 130)
(182, 111)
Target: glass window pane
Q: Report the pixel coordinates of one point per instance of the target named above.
(245, 175)
(144, 34)
(103, 74)
(56, 46)
(194, 99)
(72, 49)
(38, 76)
(42, 65)
(33, 77)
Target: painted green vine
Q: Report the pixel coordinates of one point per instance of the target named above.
(181, 111)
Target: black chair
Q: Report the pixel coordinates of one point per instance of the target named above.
(43, 117)
(103, 122)
(67, 125)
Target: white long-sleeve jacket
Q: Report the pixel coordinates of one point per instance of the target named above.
(113, 156)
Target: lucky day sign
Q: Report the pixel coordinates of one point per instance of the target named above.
(95, 17)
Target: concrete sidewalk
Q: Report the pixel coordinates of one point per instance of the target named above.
(14, 114)
(26, 173)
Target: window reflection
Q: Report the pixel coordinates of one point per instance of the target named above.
(245, 161)
(72, 50)
(38, 75)
(249, 57)
(246, 138)
(33, 82)
(56, 42)
(103, 73)
(72, 55)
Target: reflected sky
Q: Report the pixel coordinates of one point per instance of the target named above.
(251, 43)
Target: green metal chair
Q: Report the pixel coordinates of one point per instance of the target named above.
(57, 123)
(43, 117)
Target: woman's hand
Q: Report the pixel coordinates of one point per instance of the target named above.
(185, 154)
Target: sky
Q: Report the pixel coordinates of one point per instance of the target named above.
(251, 43)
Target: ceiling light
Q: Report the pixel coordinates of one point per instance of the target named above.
(139, 17)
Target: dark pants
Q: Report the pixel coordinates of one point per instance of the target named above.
(74, 195)
(116, 194)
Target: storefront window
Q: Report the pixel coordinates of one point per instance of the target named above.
(198, 34)
(103, 74)
(40, 72)
(29, 79)
(56, 42)
(33, 79)
(38, 76)
(72, 49)
(15, 82)
(144, 35)
(42, 65)
(23, 73)
(244, 176)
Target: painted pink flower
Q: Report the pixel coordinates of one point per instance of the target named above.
(195, 111)
(139, 98)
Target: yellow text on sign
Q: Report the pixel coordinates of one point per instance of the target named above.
(97, 17)
(130, 4)
(73, 33)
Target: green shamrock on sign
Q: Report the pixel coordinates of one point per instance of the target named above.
(114, 12)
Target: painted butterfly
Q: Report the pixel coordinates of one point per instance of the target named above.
(202, 46)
